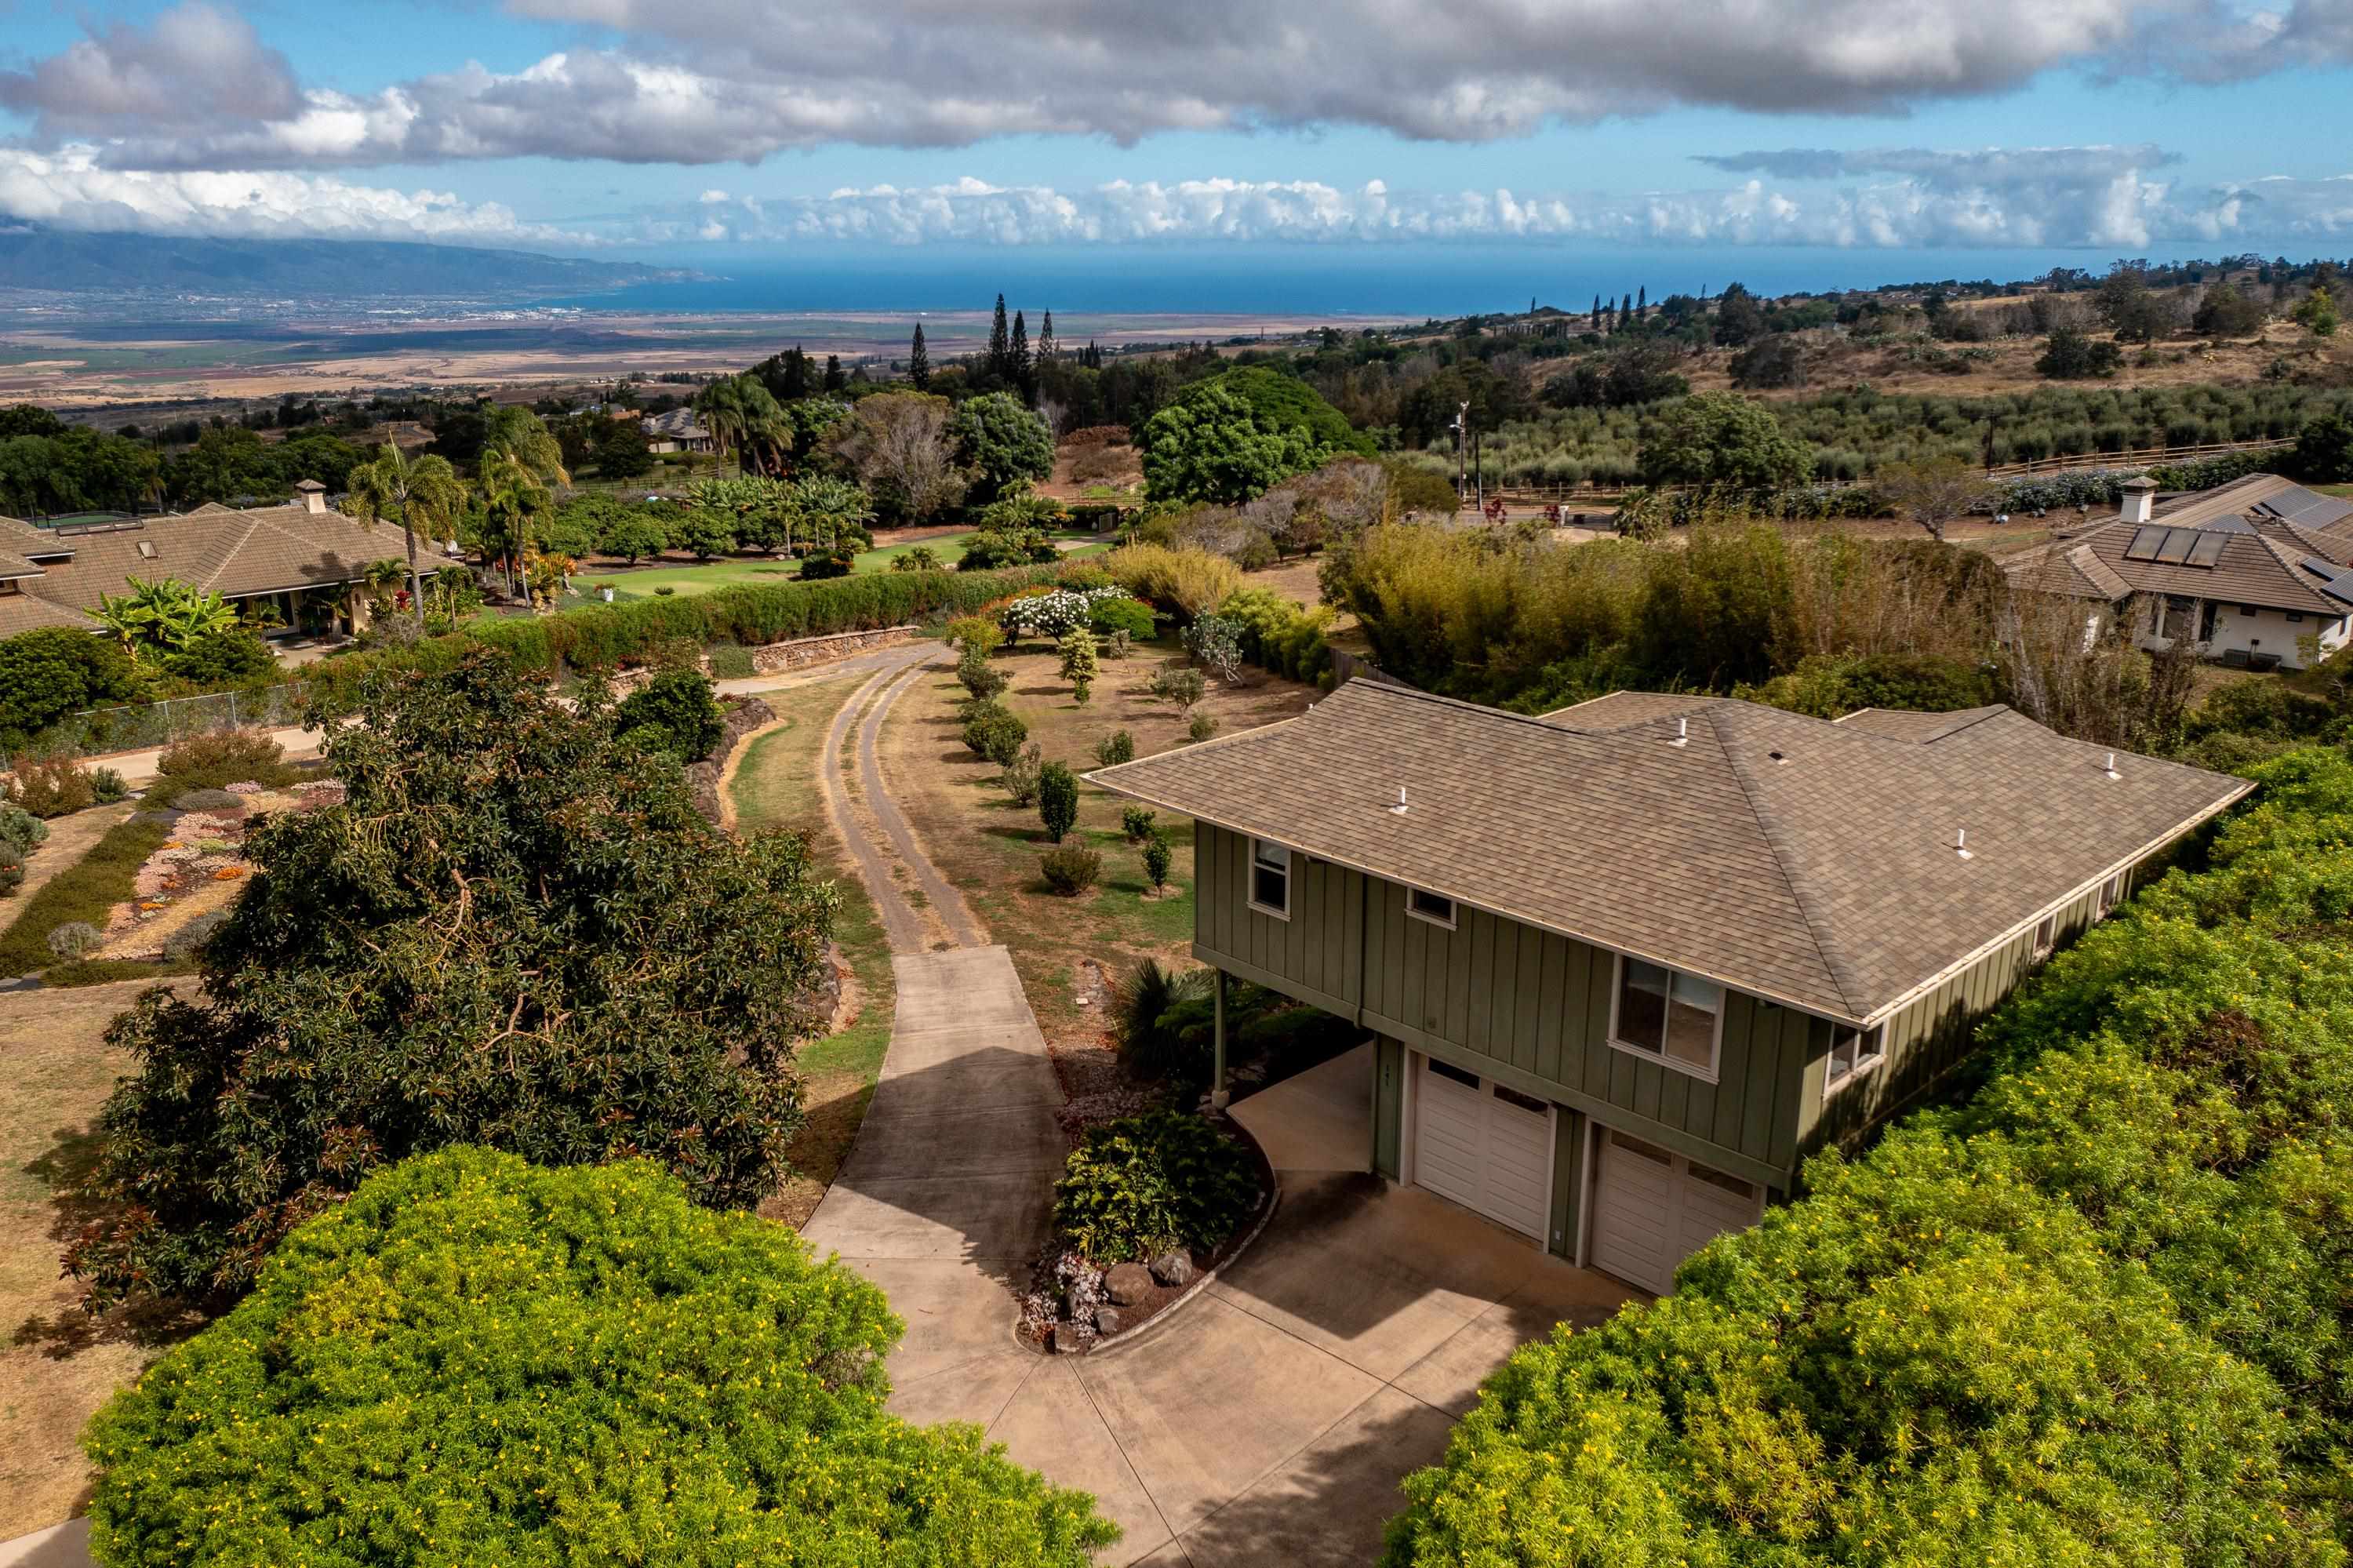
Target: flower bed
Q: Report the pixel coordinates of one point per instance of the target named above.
(200, 868)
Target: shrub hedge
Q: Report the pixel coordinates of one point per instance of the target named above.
(615, 636)
(474, 1360)
(2092, 1314)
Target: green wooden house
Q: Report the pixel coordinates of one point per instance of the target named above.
(1626, 965)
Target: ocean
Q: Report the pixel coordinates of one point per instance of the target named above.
(1334, 280)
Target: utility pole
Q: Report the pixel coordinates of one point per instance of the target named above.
(1462, 455)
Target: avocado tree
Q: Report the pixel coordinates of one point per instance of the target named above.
(515, 931)
(1721, 437)
(1210, 446)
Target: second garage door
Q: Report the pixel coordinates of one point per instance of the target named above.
(1486, 1146)
(1653, 1208)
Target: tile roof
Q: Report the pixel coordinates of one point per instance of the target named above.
(265, 550)
(1805, 861)
(2267, 527)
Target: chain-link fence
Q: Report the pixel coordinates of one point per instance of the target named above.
(143, 725)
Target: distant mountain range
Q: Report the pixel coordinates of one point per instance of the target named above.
(101, 263)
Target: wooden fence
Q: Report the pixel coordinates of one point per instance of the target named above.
(2138, 457)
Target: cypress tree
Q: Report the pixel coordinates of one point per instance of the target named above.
(1001, 345)
(1047, 348)
(1018, 357)
(1596, 313)
(919, 362)
(836, 378)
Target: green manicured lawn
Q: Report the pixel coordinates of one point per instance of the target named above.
(638, 582)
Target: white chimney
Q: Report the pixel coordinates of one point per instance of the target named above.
(313, 494)
(2140, 500)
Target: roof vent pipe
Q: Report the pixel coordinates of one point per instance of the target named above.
(2111, 769)
(1961, 844)
(1399, 809)
(1682, 733)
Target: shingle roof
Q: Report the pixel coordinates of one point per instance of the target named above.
(263, 550)
(1810, 862)
(2266, 525)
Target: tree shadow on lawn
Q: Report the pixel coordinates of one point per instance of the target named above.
(66, 1169)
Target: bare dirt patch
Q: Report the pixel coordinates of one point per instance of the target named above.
(57, 1365)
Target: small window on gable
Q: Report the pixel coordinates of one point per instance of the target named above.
(1853, 1052)
(1434, 907)
(1270, 878)
(1668, 1016)
(2046, 935)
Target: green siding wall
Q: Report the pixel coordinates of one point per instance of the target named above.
(1532, 1010)
(1925, 1040)
(1388, 1108)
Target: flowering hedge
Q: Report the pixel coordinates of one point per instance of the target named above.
(2096, 1314)
(1053, 612)
(478, 1361)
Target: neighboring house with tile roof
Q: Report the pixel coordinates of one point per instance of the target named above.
(1627, 964)
(301, 556)
(2257, 571)
(680, 430)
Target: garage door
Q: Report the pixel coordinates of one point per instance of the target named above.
(1485, 1147)
(1653, 1208)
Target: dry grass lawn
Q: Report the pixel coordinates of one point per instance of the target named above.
(776, 789)
(55, 1367)
(989, 848)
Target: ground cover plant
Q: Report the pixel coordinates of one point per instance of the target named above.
(474, 1360)
(514, 929)
(2091, 1313)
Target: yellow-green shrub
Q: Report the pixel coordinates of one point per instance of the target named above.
(1190, 583)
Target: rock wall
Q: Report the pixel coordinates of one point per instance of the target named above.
(702, 777)
(780, 656)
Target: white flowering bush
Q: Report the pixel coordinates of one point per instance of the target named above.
(1052, 614)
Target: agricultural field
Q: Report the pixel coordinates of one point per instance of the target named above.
(763, 571)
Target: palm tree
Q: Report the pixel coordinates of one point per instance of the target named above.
(740, 412)
(425, 493)
(512, 499)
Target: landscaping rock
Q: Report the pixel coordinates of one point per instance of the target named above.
(1125, 1283)
(1074, 1338)
(1173, 1268)
(1106, 1320)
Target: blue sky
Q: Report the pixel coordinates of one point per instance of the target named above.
(753, 129)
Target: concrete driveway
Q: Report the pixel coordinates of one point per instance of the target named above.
(1269, 1419)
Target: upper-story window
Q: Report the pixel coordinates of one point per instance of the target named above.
(1664, 1014)
(1853, 1052)
(1270, 878)
(1434, 907)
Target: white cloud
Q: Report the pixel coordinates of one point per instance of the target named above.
(72, 190)
(738, 80)
(2095, 197)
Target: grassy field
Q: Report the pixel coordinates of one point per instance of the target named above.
(991, 848)
(775, 789)
(56, 1366)
(638, 582)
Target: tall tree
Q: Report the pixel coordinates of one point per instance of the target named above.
(1001, 345)
(1018, 354)
(425, 493)
(1625, 311)
(1596, 313)
(1642, 299)
(919, 362)
(1047, 347)
(836, 378)
(513, 501)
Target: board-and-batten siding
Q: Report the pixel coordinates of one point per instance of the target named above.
(1927, 1038)
(1524, 1005)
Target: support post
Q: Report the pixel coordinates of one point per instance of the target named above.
(1218, 1098)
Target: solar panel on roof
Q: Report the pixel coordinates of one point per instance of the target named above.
(2206, 551)
(2144, 542)
(2174, 549)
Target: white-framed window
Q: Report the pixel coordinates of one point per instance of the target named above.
(2112, 891)
(1853, 1052)
(1668, 1016)
(1270, 884)
(1434, 907)
(2046, 935)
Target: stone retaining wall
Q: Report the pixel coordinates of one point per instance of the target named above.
(740, 718)
(778, 657)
